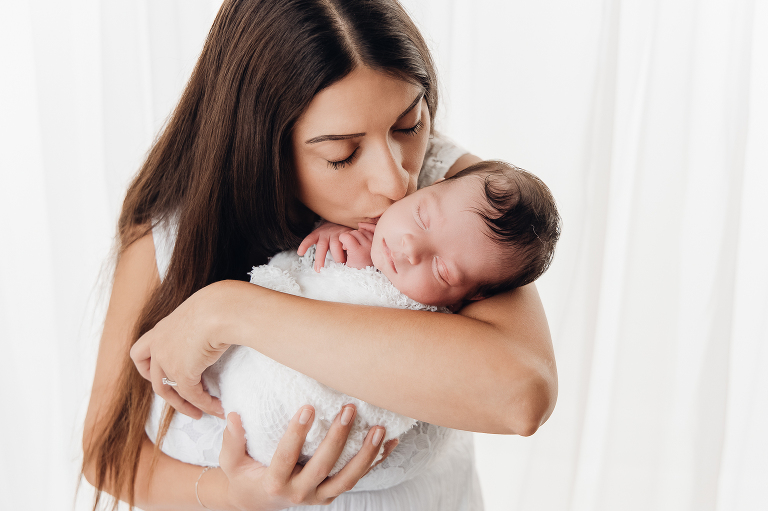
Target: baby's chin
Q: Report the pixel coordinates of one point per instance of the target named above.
(427, 297)
(377, 258)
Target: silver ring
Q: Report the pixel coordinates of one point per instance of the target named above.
(166, 381)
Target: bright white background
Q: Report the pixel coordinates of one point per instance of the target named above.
(647, 118)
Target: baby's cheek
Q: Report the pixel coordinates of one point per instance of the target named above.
(423, 292)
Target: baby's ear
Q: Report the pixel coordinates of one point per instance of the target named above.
(456, 307)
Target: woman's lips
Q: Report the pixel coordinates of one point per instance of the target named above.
(388, 253)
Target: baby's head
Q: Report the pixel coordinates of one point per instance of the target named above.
(490, 228)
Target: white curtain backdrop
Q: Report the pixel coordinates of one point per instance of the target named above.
(647, 118)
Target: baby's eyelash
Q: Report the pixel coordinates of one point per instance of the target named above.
(436, 269)
(343, 163)
(414, 130)
(420, 220)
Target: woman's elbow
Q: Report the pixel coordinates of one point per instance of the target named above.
(532, 404)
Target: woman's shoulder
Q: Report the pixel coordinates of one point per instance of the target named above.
(442, 153)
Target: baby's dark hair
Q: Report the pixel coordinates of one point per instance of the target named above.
(521, 216)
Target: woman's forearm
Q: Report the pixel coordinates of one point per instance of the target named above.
(172, 486)
(465, 371)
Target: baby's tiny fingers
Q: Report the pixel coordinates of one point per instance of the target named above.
(360, 237)
(365, 226)
(349, 240)
(310, 240)
(337, 251)
(320, 252)
(368, 235)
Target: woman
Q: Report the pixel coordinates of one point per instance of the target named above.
(295, 110)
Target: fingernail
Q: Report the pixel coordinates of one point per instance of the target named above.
(349, 411)
(378, 435)
(306, 413)
(230, 426)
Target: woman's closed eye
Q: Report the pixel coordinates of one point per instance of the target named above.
(340, 164)
(414, 130)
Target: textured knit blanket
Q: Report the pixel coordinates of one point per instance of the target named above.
(267, 394)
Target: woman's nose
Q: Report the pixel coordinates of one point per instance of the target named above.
(388, 178)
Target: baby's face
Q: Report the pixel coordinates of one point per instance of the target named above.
(432, 244)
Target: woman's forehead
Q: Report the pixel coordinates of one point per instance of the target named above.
(358, 102)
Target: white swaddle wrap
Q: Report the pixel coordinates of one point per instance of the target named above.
(267, 394)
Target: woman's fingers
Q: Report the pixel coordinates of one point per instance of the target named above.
(388, 448)
(198, 398)
(170, 395)
(141, 356)
(326, 455)
(357, 467)
(234, 456)
(288, 450)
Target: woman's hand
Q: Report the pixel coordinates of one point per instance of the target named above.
(284, 483)
(180, 347)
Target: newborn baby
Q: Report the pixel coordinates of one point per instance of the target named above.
(490, 228)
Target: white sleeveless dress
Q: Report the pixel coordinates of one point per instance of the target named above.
(432, 468)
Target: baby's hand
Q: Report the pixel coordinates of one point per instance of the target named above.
(358, 246)
(325, 236)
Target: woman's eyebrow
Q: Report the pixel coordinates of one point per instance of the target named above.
(415, 102)
(325, 138)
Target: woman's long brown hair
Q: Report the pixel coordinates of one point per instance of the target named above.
(223, 168)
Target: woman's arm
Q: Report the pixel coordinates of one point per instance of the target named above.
(135, 279)
(241, 483)
(490, 368)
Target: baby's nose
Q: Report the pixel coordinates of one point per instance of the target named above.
(412, 248)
